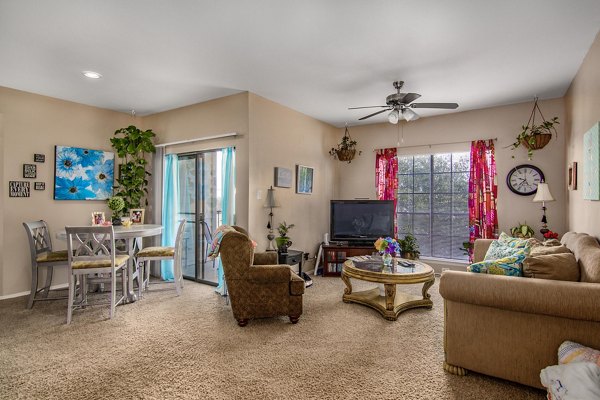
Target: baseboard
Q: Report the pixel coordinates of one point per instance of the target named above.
(13, 295)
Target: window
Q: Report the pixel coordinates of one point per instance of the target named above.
(433, 192)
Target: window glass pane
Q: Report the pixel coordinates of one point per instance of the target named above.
(460, 203)
(421, 224)
(424, 244)
(442, 224)
(460, 162)
(457, 244)
(442, 203)
(405, 223)
(422, 164)
(442, 246)
(405, 183)
(442, 183)
(422, 183)
(422, 203)
(442, 162)
(460, 225)
(405, 203)
(460, 182)
(405, 165)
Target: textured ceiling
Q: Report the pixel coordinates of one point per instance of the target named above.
(318, 57)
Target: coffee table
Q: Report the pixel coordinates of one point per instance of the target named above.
(393, 303)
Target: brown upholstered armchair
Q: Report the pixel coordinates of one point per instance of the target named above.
(257, 289)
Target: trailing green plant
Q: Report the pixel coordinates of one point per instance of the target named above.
(132, 145)
(409, 245)
(522, 231)
(530, 133)
(116, 205)
(346, 149)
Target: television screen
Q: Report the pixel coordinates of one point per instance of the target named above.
(361, 219)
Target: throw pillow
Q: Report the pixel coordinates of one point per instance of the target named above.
(572, 381)
(571, 352)
(543, 250)
(510, 265)
(515, 243)
(558, 267)
(498, 250)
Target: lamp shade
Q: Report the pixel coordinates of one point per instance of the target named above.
(271, 202)
(543, 193)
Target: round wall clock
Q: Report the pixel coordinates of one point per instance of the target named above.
(523, 179)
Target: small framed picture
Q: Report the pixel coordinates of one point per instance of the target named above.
(283, 177)
(136, 215)
(18, 189)
(39, 185)
(573, 176)
(304, 179)
(98, 218)
(39, 158)
(29, 171)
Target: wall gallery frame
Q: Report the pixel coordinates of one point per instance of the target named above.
(18, 189)
(39, 158)
(283, 177)
(304, 179)
(591, 163)
(39, 185)
(83, 174)
(29, 171)
(572, 176)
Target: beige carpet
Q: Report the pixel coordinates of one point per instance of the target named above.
(168, 347)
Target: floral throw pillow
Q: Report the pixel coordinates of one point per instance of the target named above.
(511, 265)
(515, 243)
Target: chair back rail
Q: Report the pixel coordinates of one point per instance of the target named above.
(39, 238)
(90, 243)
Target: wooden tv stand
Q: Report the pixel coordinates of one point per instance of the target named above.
(334, 257)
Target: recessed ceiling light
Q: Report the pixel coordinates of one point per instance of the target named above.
(91, 74)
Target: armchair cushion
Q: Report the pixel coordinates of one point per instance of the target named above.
(269, 273)
(266, 258)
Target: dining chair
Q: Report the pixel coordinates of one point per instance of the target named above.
(158, 253)
(42, 256)
(91, 250)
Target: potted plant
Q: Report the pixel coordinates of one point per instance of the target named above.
(116, 205)
(535, 137)
(283, 241)
(523, 231)
(409, 247)
(346, 149)
(131, 145)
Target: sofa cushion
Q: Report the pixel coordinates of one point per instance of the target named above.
(560, 267)
(570, 352)
(587, 253)
(543, 250)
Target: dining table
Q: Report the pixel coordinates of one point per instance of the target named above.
(132, 236)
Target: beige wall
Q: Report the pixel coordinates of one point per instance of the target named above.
(282, 137)
(357, 179)
(582, 103)
(224, 115)
(35, 124)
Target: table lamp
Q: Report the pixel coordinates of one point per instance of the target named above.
(543, 195)
(271, 203)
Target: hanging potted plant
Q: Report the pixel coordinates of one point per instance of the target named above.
(346, 149)
(535, 137)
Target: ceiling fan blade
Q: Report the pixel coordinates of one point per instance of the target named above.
(357, 108)
(410, 97)
(375, 113)
(449, 106)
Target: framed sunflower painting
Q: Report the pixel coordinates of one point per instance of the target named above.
(83, 174)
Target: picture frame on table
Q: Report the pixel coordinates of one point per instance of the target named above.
(98, 218)
(304, 179)
(136, 215)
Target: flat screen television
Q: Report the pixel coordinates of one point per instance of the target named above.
(361, 220)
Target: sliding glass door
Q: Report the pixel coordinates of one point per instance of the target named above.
(200, 188)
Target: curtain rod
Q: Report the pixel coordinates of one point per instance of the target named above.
(438, 144)
(223, 135)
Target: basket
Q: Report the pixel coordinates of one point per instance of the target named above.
(539, 141)
(346, 154)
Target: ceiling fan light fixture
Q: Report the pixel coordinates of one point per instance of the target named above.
(394, 117)
(410, 115)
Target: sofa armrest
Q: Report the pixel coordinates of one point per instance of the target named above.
(480, 248)
(575, 300)
(269, 273)
(266, 258)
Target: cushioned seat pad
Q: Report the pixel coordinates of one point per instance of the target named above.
(119, 260)
(156, 251)
(52, 256)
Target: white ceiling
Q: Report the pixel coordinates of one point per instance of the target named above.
(318, 57)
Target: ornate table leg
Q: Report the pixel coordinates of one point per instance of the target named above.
(390, 296)
(346, 280)
(426, 287)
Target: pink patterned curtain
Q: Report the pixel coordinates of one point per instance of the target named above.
(483, 192)
(386, 174)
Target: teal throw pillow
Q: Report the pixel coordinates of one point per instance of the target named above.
(510, 265)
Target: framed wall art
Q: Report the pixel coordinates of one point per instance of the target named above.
(18, 189)
(591, 163)
(83, 174)
(572, 175)
(29, 171)
(39, 185)
(304, 179)
(39, 158)
(283, 177)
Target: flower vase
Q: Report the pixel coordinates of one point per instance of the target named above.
(387, 260)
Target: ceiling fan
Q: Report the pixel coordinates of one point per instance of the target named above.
(400, 105)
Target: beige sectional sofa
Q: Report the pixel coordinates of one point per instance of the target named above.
(511, 327)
